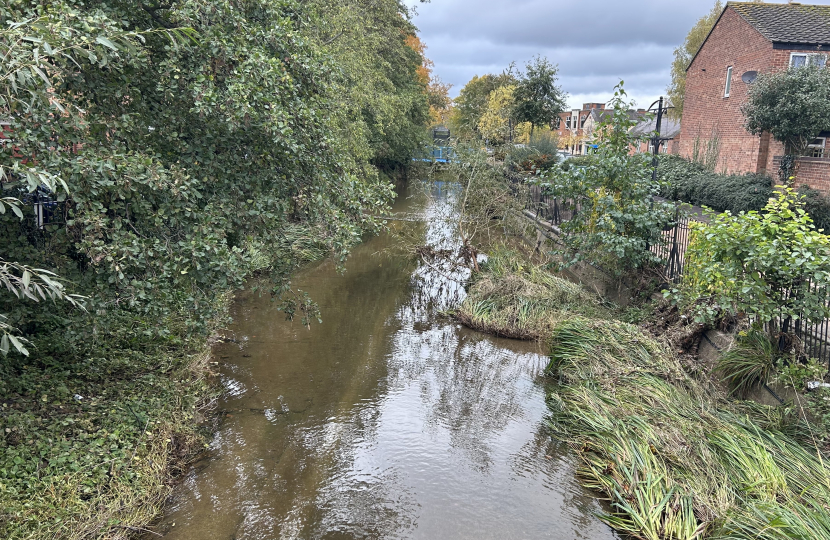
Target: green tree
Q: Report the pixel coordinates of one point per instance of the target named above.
(792, 105)
(618, 220)
(496, 123)
(537, 98)
(472, 102)
(185, 159)
(683, 56)
(380, 79)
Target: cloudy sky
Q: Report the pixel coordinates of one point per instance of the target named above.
(595, 42)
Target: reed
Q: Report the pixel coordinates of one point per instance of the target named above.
(513, 297)
(675, 458)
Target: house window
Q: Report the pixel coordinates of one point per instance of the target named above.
(557, 123)
(805, 59)
(728, 81)
(816, 148)
(582, 122)
(568, 122)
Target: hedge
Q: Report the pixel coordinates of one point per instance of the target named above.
(683, 180)
(690, 182)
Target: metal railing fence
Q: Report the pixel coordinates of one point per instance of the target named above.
(814, 337)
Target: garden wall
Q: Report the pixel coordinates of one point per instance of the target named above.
(815, 172)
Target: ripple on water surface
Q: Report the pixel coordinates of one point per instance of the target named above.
(385, 422)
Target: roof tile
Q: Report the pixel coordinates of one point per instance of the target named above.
(789, 23)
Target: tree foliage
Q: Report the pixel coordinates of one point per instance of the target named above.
(497, 122)
(792, 105)
(765, 264)
(472, 102)
(537, 98)
(683, 56)
(176, 155)
(617, 219)
(380, 78)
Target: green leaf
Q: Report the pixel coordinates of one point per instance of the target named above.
(106, 42)
(18, 345)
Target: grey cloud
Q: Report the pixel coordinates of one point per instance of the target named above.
(540, 22)
(595, 42)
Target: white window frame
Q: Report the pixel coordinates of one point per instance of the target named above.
(807, 56)
(819, 147)
(728, 88)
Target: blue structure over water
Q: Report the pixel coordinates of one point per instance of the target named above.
(439, 151)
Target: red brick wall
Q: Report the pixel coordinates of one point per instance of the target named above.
(733, 42)
(815, 172)
(563, 131)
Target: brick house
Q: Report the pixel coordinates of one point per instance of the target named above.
(596, 117)
(569, 126)
(575, 128)
(750, 38)
(642, 132)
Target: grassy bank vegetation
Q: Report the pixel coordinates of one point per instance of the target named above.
(673, 453)
(675, 458)
(513, 297)
(95, 429)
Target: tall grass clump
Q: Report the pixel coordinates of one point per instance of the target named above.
(512, 297)
(675, 458)
(750, 361)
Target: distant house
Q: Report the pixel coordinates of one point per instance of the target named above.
(576, 128)
(751, 38)
(642, 133)
(569, 127)
(597, 117)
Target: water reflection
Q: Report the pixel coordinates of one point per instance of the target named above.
(387, 421)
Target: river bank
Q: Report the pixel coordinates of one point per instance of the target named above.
(676, 456)
(91, 447)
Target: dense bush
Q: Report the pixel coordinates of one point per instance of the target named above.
(541, 153)
(683, 180)
(579, 161)
(691, 182)
(817, 206)
(768, 265)
(187, 145)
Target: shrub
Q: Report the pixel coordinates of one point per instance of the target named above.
(750, 361)
(683, 180)
(540, 154)
(817, 206)
(766, 265)
(618, 219)
(580, 161)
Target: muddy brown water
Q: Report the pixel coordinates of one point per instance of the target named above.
(386, 421)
